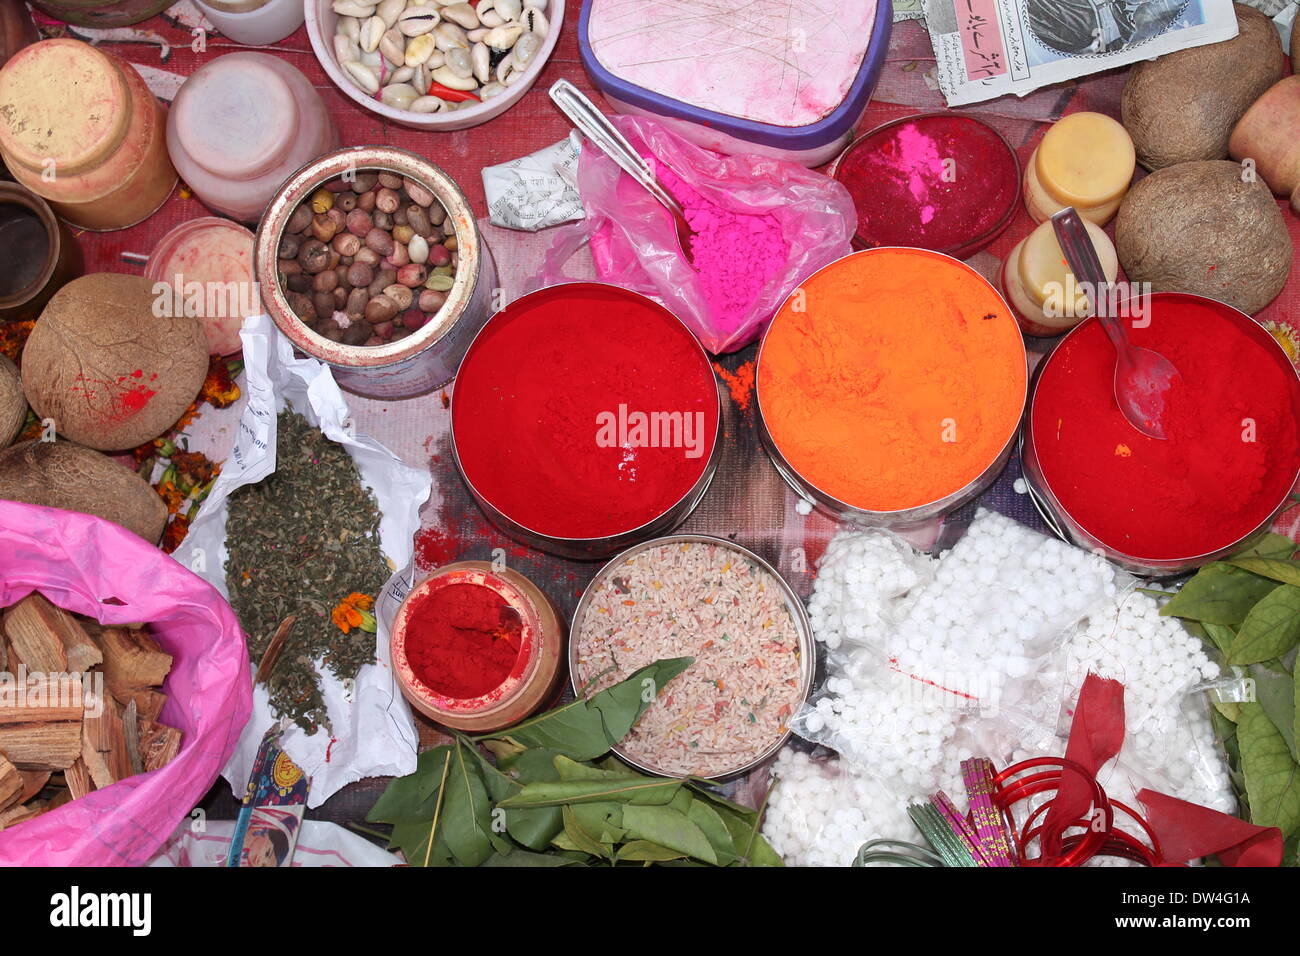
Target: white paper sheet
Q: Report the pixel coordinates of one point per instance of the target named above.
(374, 733)
(320, 844)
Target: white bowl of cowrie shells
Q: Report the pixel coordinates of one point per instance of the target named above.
(434, 64)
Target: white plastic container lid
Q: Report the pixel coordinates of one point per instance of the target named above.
(784, 74)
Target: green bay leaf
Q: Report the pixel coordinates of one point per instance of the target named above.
(1221, 635)
(1271, 545)
(1271, 628)
(579, 838)
(587, 729)
(667, 827)
(410, 799)
(1275, 692)
(1219, 594)
(1272, 776)
(524, 858)
(467, 825)
(567, 769)
(604, 821)
(714, 829)
(644, 850)
(1288, 572)
(647, 791)
(413, 839)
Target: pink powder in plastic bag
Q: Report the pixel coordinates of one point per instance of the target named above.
(763, 225)
(733, 254)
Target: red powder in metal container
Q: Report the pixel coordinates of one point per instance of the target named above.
(937, 181)
(1232, 448)
(462, 640)
(584, 411)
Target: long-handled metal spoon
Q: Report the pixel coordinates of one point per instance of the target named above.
(584, 115)
(1143, 377)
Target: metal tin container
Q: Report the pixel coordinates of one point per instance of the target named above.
(535, 676)
(1071, 530)
(807, 646)
(45, 256)
(902, 519)
(597, 548)
(424, 360)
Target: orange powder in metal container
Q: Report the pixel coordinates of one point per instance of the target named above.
(892, 378)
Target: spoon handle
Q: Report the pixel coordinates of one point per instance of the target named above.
(1072, 236)
(587, 117)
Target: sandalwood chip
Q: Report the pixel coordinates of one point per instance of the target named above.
(132, 658)
(159, 744)
(11, 783)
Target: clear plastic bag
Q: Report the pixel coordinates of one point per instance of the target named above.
(634, 245)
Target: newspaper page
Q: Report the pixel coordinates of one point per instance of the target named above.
(988, 48)
(909, 10)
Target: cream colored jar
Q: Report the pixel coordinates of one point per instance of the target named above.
(1043, 292)
(82, 130)
(1085, 160)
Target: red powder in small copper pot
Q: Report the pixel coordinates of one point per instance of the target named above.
(477, 648)
(463, 640)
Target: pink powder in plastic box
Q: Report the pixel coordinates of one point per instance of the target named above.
(734, 255)
(779, 78)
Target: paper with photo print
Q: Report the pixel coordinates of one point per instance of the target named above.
(374, 733)
(988, 48)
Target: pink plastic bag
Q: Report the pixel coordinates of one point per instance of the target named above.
(634, 246)
(79, 563)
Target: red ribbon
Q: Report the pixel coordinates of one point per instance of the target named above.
(1178, 831)
(1096, 735)
(1188, 831)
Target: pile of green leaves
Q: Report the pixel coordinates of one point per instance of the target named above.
(1247, 611)
(549, 799)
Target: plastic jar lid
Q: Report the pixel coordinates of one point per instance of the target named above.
(203, 250)
(236, 116)
(752, 70)
(66, 102)
(1085, 159)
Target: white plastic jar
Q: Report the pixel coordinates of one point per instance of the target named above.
(240, 125)
(254, 22)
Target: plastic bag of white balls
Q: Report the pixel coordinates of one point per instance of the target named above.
(859, 578)
(918, 644)
(819, 811)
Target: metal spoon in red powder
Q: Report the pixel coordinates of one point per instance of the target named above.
(1233, 446)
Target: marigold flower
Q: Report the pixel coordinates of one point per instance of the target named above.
(354, 611)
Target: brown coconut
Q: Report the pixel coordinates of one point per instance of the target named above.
(1182, 106)
(109, 372)
(13, 406)
(1205, 228)
(61, 474)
